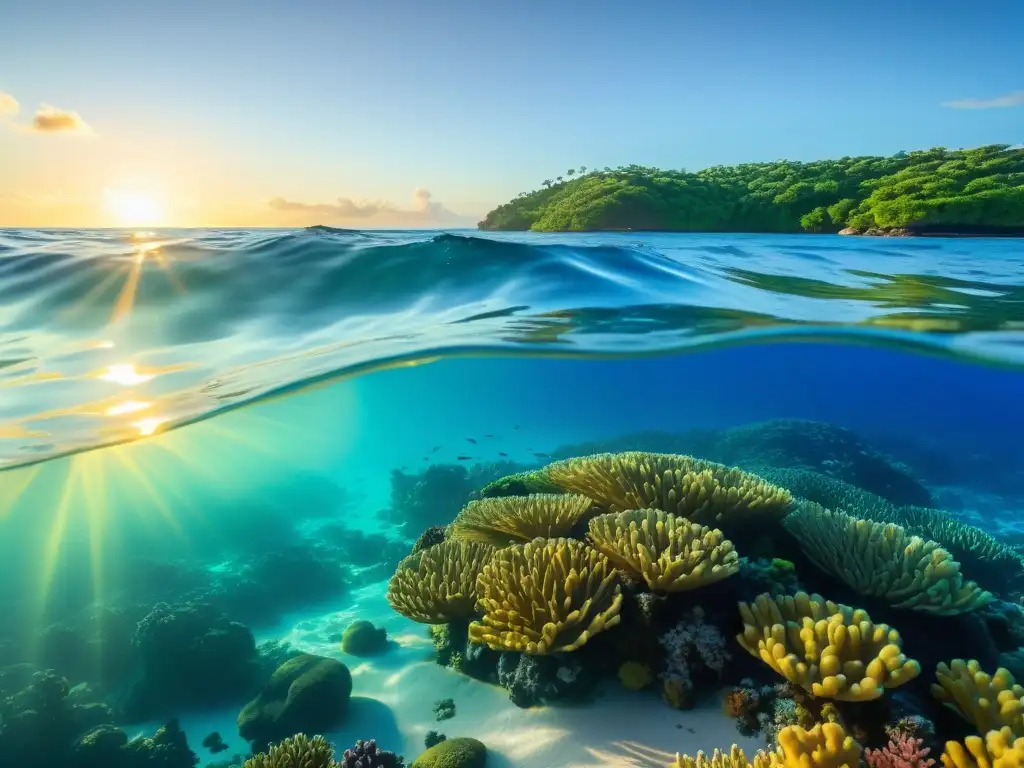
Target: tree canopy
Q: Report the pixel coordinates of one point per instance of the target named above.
(936, 189)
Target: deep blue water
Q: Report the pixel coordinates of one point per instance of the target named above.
(400, 351)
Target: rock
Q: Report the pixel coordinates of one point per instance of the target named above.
(453, 753)
(306, 694)
(361, 638)
(848, 231)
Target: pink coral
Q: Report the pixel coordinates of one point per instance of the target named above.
(902, 751)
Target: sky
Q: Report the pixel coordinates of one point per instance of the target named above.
(408, 114)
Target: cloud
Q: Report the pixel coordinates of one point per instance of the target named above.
(1015, 99)
(423, 212)
(8, 104)
(49, 119)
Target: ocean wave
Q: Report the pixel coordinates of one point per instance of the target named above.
(106, 335)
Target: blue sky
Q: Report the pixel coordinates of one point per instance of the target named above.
(213, 109)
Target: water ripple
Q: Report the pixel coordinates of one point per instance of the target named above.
(108, 335)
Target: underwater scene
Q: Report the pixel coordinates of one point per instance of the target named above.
(318, 497)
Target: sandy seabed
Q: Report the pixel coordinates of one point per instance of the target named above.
(393, 697)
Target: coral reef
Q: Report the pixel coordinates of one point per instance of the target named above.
(439, 584)
(830, 650)
(546, 596)
(444, 709)
(190, 654)
(901, 752)
(361, 638)
(690, 645)
(990, 702)
(667, 552)
(214, 742)
(826, 448)
(883, 560)
(519, 484)
(366, 754)
(432, 738)
(998, 749)
(635, 676)
(698, 490)
(826, 745)
(299, 751)
(460, 752)
(508, 520)
(306, 694)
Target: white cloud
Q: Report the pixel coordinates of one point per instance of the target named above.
(1015, 99)
(423, 211)
(8, 104)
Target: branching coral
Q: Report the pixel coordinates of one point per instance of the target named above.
(692, 642)
(826, 745)
(990, 702)
(735, 758)
(698, 490)
(668, 552)
(517, 519)
(438, 584)
(885, 561)
(546, 596)
(999, 749)
(900, 752)
(299, 751)
(828, 649)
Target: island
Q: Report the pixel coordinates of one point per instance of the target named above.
(939, 192)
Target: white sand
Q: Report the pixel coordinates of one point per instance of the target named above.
(394, 694)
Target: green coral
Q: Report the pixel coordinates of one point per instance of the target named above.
(520, 484)
(297, 751)
(884, 561)
(460, 752)
(361, 638)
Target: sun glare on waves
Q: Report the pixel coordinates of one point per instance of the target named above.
(132, 209)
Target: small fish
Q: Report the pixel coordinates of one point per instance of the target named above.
(463, 458)
(470, 439)
(516, 427)
(426, 458)
(541, 454)
(435, 449)
(502, 453)
(488, 435)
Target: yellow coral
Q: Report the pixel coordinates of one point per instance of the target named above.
(668, 552)
(635, 676)
(885, 561)
(736, 758)
(698, 490)
(517, 519)
(990, 702)
(999, 749)
(826, 745)
(546, 596)
(438, 584)
(828, 649)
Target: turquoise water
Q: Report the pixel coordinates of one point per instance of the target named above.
(265, 421)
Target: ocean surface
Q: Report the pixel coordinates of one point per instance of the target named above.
(180, 409)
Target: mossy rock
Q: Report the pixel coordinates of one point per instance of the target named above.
(306, 694)
(361, 638)
(453, 753)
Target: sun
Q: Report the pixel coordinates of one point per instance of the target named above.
(132, 209)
